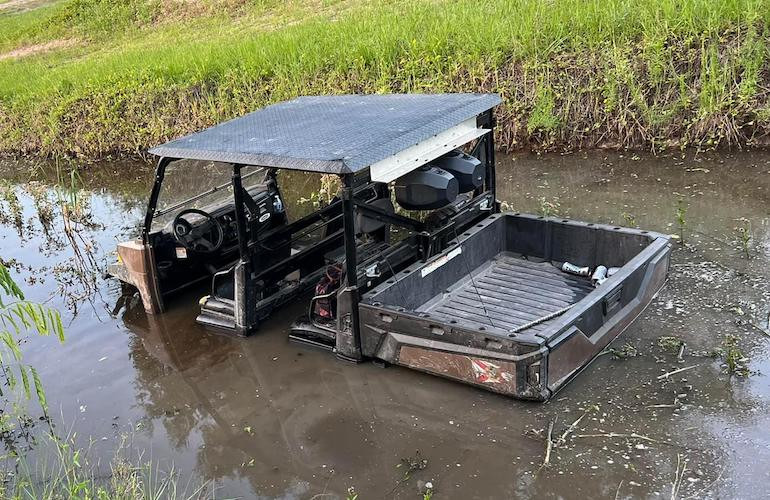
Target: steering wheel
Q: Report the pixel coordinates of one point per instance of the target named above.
(204, 237)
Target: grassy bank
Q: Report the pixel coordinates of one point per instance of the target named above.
(62, 469)
(573, 73)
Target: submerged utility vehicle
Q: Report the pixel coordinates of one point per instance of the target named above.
(411, 263)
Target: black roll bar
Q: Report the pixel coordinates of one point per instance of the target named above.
(381, 215)
(351, 264)
(487, 120)
(160, 172)
(240, 216)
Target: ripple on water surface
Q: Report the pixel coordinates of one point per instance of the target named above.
(263, 416)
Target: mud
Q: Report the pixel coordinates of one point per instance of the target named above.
(263, 417)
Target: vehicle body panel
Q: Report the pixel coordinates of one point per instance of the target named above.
(524, 329)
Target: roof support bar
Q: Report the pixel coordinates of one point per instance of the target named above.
(240, 216)
(487, 120)
(245, 309)
(349, 331)
(160, 172)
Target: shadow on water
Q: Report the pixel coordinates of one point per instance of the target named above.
(261, 416)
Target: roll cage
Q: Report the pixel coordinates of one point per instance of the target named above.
(252, 277)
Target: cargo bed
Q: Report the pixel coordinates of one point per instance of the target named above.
(496, 310)
(510, 291)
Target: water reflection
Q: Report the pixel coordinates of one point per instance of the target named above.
(261, 416)
(56, 213)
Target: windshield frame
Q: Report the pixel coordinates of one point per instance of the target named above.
(160, 173)
(224, 185)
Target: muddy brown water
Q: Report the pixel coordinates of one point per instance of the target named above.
(263, 417)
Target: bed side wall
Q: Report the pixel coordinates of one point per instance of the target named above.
(581, 243)
(580, 335)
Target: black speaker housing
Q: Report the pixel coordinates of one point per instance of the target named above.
(426, 188)
(466, 168)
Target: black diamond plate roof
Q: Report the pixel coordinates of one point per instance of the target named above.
(331, 134)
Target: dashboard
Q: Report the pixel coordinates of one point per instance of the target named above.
(178, 266)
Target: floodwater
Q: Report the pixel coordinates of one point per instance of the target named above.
(264, 417)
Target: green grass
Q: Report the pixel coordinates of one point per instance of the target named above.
(572, 72)
(65, 470)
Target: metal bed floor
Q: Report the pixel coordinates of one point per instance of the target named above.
(509, 292)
